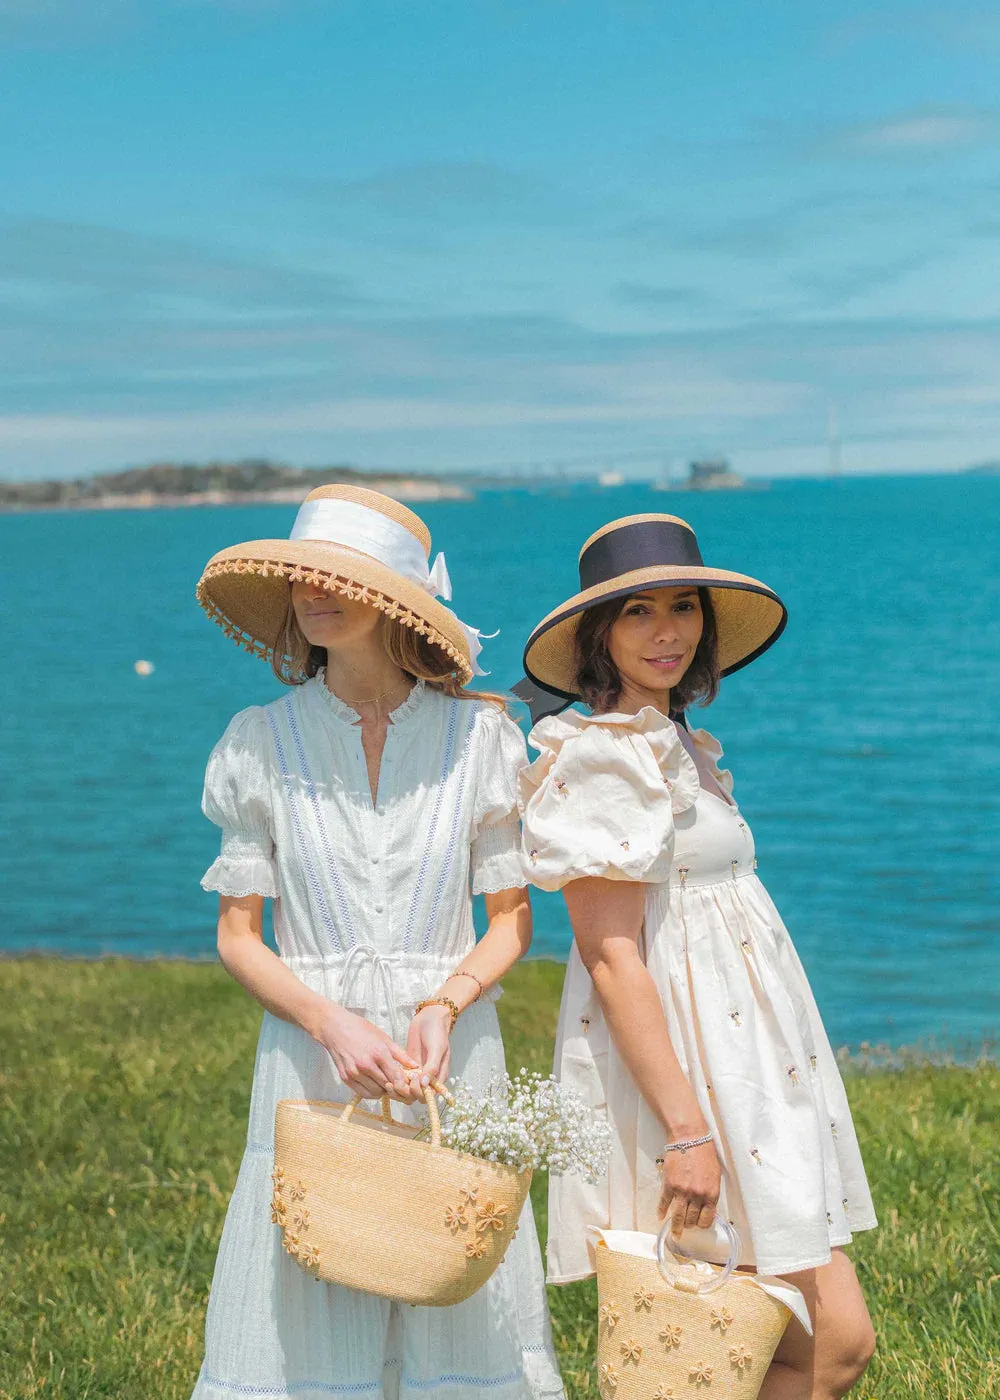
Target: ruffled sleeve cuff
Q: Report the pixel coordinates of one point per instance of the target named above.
(244, 866)
(496, 857)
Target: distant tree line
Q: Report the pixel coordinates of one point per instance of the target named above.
(182, 479)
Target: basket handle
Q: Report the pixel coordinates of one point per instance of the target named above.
(432, 1089)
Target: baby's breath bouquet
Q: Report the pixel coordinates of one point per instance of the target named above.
(528, 1123)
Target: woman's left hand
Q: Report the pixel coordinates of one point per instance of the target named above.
(428, 1043)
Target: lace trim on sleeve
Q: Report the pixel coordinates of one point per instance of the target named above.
(496, 857)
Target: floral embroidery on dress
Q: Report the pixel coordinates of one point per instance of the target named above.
(561, 788)
(624, 845)
(755, 1155)
(736, 1017)
(813, 1062)
(793, 1074)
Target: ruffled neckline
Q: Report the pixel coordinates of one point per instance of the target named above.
(341, 711)
(677, 768)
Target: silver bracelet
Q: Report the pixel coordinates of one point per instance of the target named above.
(683, 1146)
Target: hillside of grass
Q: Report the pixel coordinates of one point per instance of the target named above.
(123, 1099)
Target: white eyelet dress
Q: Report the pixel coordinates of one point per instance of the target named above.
(372, 908)
(620, 796)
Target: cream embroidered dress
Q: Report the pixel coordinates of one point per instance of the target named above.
(620, 796)
(372, 908)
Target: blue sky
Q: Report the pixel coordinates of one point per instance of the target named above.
(446, 235)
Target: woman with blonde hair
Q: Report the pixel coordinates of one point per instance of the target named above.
(686, 1015)
(365, 803)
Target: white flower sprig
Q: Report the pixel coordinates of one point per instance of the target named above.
(528, 1121)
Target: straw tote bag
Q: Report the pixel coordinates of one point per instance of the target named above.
(360, 1202)
(667, 1331)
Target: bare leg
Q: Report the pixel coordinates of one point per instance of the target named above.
(826, 1365)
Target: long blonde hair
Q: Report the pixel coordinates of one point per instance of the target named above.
(294, 660)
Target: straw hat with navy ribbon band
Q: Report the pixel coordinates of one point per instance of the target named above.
(352, 541)
(630, 555)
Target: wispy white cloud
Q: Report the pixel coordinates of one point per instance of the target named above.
(444, 194)
(919, 131)
(124, 264)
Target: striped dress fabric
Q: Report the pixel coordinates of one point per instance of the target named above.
(372, 908)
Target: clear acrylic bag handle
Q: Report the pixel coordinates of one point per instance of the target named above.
(670, 1252)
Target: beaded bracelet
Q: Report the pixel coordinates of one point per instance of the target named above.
(463, 973)
(683, 1146)
(440, 1001)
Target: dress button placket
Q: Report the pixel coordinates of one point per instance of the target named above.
(378, 875)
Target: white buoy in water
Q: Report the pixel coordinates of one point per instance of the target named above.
(144, 668)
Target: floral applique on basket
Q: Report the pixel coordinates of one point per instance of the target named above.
(417, 1213)
(695, 1328)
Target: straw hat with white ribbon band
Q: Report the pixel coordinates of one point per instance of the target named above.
(637, 553)
(352, 541)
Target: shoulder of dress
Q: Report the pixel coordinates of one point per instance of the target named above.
(247, 724)
(709, 746)
(642, 742)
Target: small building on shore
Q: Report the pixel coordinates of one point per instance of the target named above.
(713, 474)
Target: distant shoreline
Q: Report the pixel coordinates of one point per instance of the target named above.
(404, 489)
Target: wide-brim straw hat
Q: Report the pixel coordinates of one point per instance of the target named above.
(641, 552)
(352, 541)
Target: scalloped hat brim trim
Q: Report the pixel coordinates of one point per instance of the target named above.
(244, 590)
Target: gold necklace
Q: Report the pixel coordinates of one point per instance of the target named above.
(372, 699)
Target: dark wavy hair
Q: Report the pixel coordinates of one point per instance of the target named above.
(597, 676)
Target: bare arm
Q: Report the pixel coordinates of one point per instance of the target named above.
(507, 938)
(607, 923)
(367, 1059)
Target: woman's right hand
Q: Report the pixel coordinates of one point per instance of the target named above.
(369, 1062)
(692, 1181)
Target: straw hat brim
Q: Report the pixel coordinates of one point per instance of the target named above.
(245, 590)
(750, 617)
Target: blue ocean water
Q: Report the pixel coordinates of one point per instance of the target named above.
(865, 745)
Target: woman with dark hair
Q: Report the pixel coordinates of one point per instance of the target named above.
(686, 1014)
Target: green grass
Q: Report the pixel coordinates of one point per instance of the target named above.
(123, 1098)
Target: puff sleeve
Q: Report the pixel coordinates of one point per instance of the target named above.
(601, 797)
(237, 797)
(496, 832)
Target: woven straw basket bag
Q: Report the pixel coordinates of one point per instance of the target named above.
(361, 1203)
(703, 1331)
